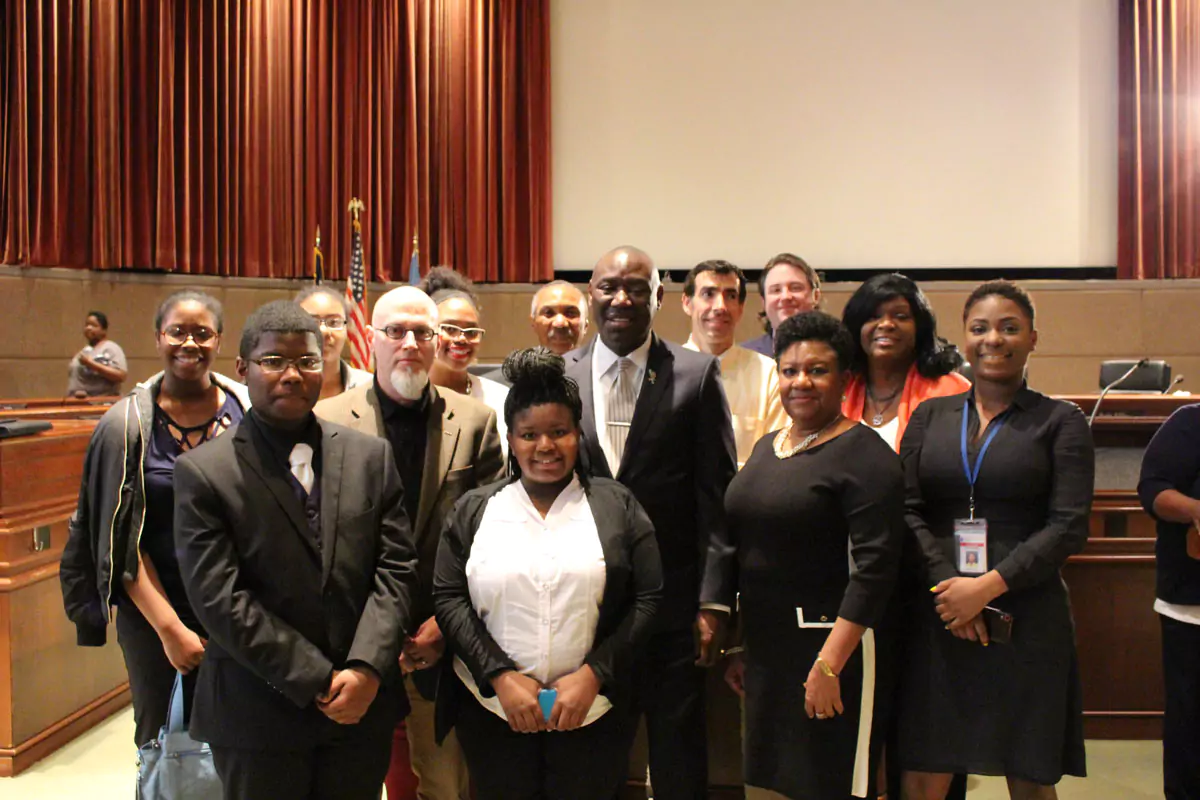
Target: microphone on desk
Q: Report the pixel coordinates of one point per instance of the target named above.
(1096, 408)
(1178, 380)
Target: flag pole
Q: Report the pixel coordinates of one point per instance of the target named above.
(318, 260)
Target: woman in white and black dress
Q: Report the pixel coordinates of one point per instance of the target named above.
(816, 525)
(1023, 462)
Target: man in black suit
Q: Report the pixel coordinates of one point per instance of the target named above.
(656, 419)
(298, 560)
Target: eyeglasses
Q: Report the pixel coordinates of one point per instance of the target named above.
(308, 363)
(399, 333)
(176, 335)
(470, 335)
(331, 323)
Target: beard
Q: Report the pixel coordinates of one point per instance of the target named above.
(408, 383)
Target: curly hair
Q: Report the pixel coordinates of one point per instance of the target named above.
(935, 356)
(815, 326)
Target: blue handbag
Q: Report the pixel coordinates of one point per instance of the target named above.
(175, 766)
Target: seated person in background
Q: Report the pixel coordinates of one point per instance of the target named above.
(331, 310)
(298, 558)
(788, 286)
(99, 368)
(459, 337)
(548, 555)
(714, 296)
(559, 317)
(128, 560)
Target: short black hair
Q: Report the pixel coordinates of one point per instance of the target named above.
(190, 295)
(935, 356)
(310, 291)
(278, 316)
(720, 268)
(100, 316)
(1000, 288)
(444, 283)
(538, 376)
(815, 326)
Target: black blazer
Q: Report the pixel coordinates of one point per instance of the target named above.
(1172, 461)
(678, 461)
(632, 587)
(281, 612)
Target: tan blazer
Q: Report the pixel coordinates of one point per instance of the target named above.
(462, 451)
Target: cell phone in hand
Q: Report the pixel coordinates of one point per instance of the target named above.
(546, 699)
(999, 625)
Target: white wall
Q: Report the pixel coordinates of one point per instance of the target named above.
(857, 133)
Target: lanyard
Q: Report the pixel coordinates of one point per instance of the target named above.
(973, 473)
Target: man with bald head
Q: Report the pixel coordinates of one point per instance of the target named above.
(445, 444)
(655, 418)
(559, 316)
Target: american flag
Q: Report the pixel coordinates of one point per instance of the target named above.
(356, 293)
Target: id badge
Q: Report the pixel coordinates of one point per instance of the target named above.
(970, 541)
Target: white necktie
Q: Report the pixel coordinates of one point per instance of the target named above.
(619, 410)
(301, 463)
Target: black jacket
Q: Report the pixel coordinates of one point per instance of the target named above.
(1172, 461)
(633, 584)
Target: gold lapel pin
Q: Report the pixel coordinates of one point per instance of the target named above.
(653, 377)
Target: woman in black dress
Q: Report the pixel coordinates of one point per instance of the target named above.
(969, 701)
(816, 520)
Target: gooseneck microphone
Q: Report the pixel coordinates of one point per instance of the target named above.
(1103, 392)
(1178, 379)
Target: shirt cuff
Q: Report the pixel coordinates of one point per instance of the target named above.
(724, 609)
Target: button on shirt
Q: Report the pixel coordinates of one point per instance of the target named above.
(604, 375)
(537, 584)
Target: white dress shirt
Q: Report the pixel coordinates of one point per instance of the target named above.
(492, 394)
(604, 375)
(752, 389)
(537, 584)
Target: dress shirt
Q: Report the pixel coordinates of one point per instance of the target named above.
(604, 375)
(537, 584)
(752, 389)
(407, 429)
(492, 394)
(279, 442)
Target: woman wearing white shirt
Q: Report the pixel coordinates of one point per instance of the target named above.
(546, 581)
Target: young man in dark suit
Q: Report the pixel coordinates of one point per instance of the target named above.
(298, 560)
(656, 419)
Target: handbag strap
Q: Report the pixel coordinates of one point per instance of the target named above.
(175, 707)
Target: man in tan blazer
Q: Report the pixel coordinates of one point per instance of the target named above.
(445, 444)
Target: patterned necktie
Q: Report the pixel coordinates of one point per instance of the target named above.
(301, 463)
(619, 410)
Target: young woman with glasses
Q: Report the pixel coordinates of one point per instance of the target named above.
(331, 310)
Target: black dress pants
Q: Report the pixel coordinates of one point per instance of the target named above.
(1181, 722)
(588, 763)
(151, 676)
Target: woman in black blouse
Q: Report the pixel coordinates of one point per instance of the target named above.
(971, 702)
(547, 582)
(816, 524)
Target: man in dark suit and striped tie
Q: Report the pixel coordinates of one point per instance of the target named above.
(655, 418)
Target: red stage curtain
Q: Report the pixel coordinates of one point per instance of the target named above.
(1159, 168)
(213, 137)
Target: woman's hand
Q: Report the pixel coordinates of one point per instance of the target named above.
(183, 646)
(973, 631)
(576, 693)
(959, 600)
(518, 695)
(735, 674)
(822, 694)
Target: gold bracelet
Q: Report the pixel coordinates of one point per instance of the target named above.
(826, 670)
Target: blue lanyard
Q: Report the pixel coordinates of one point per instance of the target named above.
(973, 473)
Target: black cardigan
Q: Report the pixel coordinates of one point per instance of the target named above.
(1172, 461)
(633, 585)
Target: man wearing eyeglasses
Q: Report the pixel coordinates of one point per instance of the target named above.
(299, 562)
(445, 444)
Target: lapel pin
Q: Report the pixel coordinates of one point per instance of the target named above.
(653, 377)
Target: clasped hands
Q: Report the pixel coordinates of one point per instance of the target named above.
(518, 695)
(350, 693)
(959, 602)
(424, 649)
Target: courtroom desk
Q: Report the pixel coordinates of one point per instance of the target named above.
(50, 690)
(47, 408)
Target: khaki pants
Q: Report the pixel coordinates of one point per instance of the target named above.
(755, 793)
(441, 770)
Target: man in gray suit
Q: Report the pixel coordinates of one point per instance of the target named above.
(445, 444)
(655, 418)
(299, 562)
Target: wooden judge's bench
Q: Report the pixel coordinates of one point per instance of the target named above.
(51, 690)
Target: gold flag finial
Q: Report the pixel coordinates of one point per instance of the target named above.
(355, 208)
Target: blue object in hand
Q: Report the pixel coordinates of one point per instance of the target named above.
(546, 698)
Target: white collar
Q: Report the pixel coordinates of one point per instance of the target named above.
(690, 344)
(603, 358)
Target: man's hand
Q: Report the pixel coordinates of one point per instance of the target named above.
(518, 695)
(708, 628)
(424, 649)
(183, 646)
(735, 674)
(576, 693)
(350, 694)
